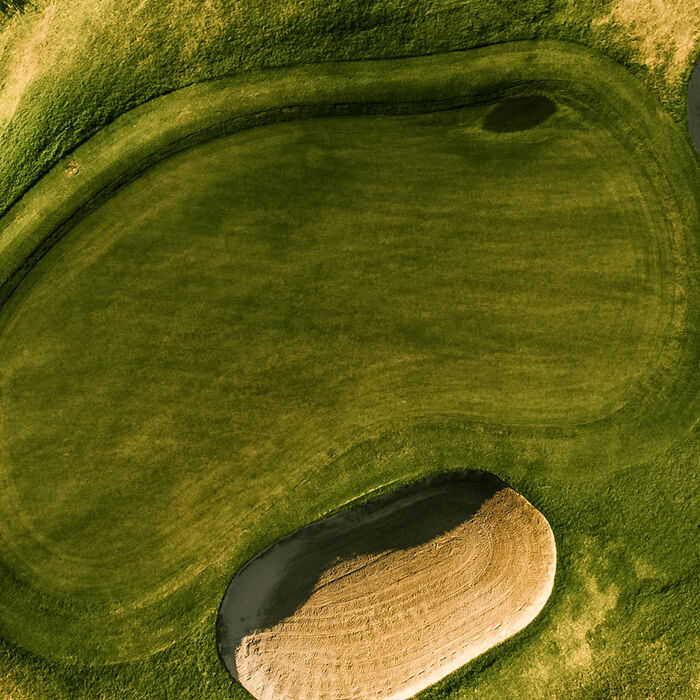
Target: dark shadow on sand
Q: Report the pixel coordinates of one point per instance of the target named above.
(277, 581)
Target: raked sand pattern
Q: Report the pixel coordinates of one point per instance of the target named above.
(383, 600)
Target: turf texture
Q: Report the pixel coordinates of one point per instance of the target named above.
(266, 326)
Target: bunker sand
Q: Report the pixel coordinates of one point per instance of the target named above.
(383, 600)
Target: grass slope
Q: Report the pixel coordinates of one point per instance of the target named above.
(244, 379)
(294, 280)
(69, 67)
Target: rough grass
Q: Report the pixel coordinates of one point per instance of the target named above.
(332, 400)
(10, 7)
(68, 68)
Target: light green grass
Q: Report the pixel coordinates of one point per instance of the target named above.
(265, 327)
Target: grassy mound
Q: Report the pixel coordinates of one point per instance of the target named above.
(68, 68)
(252, 332)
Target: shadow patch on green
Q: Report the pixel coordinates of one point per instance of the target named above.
(519, 113)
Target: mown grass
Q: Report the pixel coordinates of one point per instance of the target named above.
(307, 308)
(68, 68)
(303, 313)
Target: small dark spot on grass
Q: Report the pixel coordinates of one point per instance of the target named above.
(519, 113)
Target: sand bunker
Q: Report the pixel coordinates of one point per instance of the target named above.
(385, 599)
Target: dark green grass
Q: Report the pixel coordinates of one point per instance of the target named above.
(264, 328)
(306, 279)
(9, 7)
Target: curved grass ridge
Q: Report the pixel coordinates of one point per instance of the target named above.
(56, 94)
(169, 124)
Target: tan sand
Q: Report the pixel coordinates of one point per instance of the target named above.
(386, 599)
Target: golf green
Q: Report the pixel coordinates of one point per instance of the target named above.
(182, 364)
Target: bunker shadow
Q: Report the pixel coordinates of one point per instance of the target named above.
(274, 584)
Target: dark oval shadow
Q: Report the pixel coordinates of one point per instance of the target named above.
(519, 113)
(270, 589)
(694, 106)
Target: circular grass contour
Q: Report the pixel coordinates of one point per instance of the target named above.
(190, 334)
(385, 599)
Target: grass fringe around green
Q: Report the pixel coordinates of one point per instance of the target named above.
(71, 67)
(620, 494)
